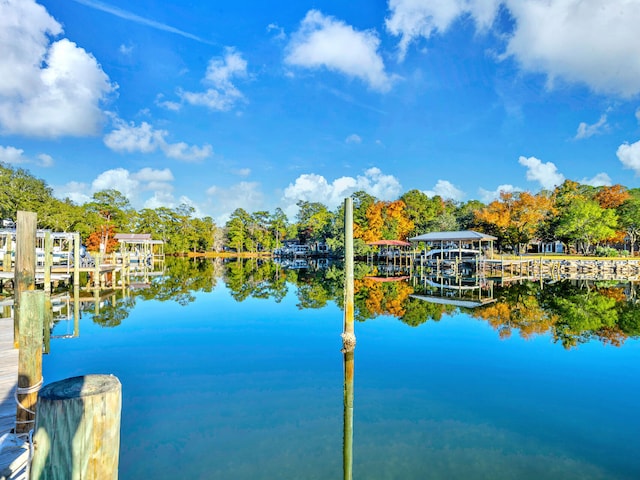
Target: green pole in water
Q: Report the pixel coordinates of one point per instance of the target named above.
(348, 342)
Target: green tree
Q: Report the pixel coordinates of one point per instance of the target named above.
(584, 222)
(313, 221)
(629, 220)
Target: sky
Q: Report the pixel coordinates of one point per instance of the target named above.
(257, 105)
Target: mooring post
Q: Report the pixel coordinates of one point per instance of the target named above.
(348, 335)
(48, 265)
(25, 272)
(76, 259)
(32, 315)
(76, 311)
(77, 433)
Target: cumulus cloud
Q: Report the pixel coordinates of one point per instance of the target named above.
(544, 173)
(353, 138)
(629, 155)
(446, 190)
(315, 188)
(47, 88)
(411, 19)
(129, 138)
(574, 40)
(321, 42)
(488, 196)
(600, 180)
(45, 160)
(224, 200)
(222, 94)
(562, 39)
(586, 131)
(130, 184)
(15, 156)
(12, 155)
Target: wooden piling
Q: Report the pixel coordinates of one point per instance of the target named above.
(77, 434)
(32, 314)
(25, 271)
(348, 335)
(48, 262)
(76, 259)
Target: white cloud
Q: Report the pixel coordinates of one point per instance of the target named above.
(324, 41)
(77, 192)
(582, 41)
(130, 184)
(125, 49)
(591, 42)
(221, 71)
(488, 196)
(47, 89)
(353, 138)
(446, 190)
(117, 179)
(315, 188)
(629, 155)
(182, 151)
(129, 138)
(411, 19)
(224, 201)
(600, 180)
(544, 173)
(242, 172)
(16, 156)
(45, 160)
(586, 131)
(12, 155)
(278, 31)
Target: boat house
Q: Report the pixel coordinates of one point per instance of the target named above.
(465, 244)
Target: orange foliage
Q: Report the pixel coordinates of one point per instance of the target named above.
(106, 232)
(521, 211)
(386, 220)
(384, 298)
(612, 197)
(526, 316)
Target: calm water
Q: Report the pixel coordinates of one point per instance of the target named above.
(235, 377)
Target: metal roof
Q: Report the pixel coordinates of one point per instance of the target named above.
(452, 236)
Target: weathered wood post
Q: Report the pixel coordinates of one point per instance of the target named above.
(6, 261)
(25, 273)
(76, 311)
(348, 335)
(48, 264)
(77, 434)
(32, 314)
(76, 259)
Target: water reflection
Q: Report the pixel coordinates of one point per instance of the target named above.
(572, 312)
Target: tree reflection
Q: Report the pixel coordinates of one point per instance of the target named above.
(571, 312)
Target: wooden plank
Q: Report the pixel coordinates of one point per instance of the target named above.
(8, 376)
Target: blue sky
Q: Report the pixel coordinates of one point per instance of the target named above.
(260, 104)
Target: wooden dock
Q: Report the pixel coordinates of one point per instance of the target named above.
(8, 376)
(13, 452)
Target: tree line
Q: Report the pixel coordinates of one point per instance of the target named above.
(582, 217)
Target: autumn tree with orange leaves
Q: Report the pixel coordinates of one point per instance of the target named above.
(516, 217)
(386, 221)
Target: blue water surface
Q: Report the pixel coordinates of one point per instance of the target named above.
(220, 389)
